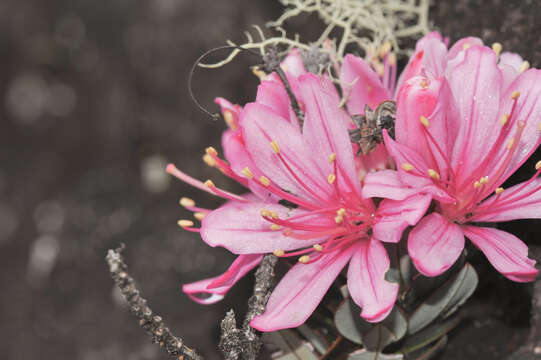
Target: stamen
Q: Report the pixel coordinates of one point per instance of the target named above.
(259, 73)
(211, 151)
(483, 180)
(433, 174)
(504, 119)
(525, 66)
(510, 143)
(392, 59)
(275, 227)
(476, 185)
(199, 215)
(515, 94)
(209, 160)
(407, 167)
(331, 178)
(185, 223)
(246, 172)
(466, 46)
(497, 47)
(265, 213)
(338, 219)
(274, 215)
(187, 202)
(424, 121)
(278, 253)
(304, 259)
(341, 212)
(385, 49)
(230, 119)
(318, 247)
(332, 158)
(275, 147)
(210, 184)
(499, 190)
(424, 83)
(264, 181)
(538, 165)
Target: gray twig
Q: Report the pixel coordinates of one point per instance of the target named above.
(246, 343)
(153, 324)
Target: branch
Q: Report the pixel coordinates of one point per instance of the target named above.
(153, 324)
(246, 342)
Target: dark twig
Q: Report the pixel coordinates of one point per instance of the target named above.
(246, 343)
(153, 324)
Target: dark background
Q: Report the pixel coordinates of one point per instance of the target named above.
(93, 104)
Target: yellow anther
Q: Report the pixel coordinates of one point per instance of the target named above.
(538, 165)
(274, 215)
(275, 147)
(331, 178)
(510, 143)
(265, 213)
(515, 94)
(483, 180)
(318, 247)
(433, 174)
(407, 166)
(185, 223)
(466, 46)
(385, 49)
(199, 215)
(275, 227)
(424, 83)
(499, 190)
(264, 181)
(211, 151)
(341, 212)
(380, 69)
(392, 59)
(497, 47)
(504, 119)
(338, 219)
(476, 184)
(246, 172)
(424, 121)
(209, 160)
(332, 158)
(278, 253)
(230, 119)
(187, 202)
(304, 259)
(525, 66)
(209, 184)
(259, 73)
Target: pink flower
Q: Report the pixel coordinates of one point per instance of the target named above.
(305, 202)
(467, 118)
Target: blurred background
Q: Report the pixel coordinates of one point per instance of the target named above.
(93, 105)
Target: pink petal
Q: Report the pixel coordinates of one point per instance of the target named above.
(300, 291)
(293, 64)
(274, 95)
(240, 228)
(218, 286)
(471, 81)
(522, 201)
(325, 133)
(462, 45)
(366, 281)
(393, 216)
(260, 127)
(362, 84)
(386, 184)
(511, 59)
(507, 253)
(435, 244)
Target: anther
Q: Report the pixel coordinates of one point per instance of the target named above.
(185, 223)
(229, 118)
(278, 253)
(187, 202)
(264, 181)
(259, 73)
(525, 66)
(318, 247)
(304, 259)
(265, 213)
(331, 178)
(392, 59)
(510, 143)
(274, 215)
(341, 212)
(407, 166)
(424, 121)
(199, 215)
(499, 191)
(504, 119)
(433, 174)
(497, 47)
(476, 184)
(538, 165)
(332, 158)
(515, 94)
(209, 160)
(424, 83)
(246, 172)
(483, 180)
(275, 147)
(211, 151)
(209, 184)
(466, 46)
(338, 219)
(275, 227)
(385, 49)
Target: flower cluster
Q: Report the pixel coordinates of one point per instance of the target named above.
(466, 119)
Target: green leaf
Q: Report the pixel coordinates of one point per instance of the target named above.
(429, 335)
(289, 346)
(314, 338)
(349, 322)
(390, 330)
(364, 354)
(430, 352)
(445, 300)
